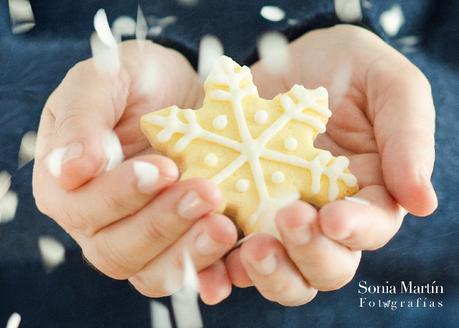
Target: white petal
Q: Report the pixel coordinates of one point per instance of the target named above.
(52, 252)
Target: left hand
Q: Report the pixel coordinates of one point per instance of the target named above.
(384, 123)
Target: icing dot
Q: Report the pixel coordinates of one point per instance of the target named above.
(220, 122)
(261, 116)
(242, 185)
(211, 160)
(278, 177)
(290, 143)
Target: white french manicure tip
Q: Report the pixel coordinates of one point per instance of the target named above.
(113, 151)
(54, 161)
(147, 175)
(358, 200)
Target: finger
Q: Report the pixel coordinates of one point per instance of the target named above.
(109, 197)
(236, 270)
(206, 242)
(155, 227)
(214, 283)
(273, 273)
(324, 263)
(366, 221)
(85, 108)
(401, 106)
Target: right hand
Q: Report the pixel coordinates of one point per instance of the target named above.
(129, 224)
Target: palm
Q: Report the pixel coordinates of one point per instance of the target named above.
(319, 59)
(166, 80)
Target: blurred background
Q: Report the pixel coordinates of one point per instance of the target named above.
(43, 277)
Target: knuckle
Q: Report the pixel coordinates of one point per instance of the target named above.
(149, 289)
(158, 232)
(108, 260)
(335, 282)
(299, 300)
(121, 205)
(75, 221)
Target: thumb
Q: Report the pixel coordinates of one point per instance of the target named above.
(77, 126)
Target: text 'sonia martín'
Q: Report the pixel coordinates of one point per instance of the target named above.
(402, 287)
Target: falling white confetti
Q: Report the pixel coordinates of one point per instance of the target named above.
(8, 206)
(113, 150)
(14, 321)
(54, 161)
(123, 26)
(340, 83)
(5, 183)
(141, 29)
(210, 49)
(272, 13)
(158, 24)
(185, 301)
(392, 20)
(188, 3)
(21, 15)
(274, 52)
(367, 4)
(103, 45)
(409, 41)
(293, 21)
(27, 149)
(103, 28)
(159, 315)
(52, 252)
(348, 11)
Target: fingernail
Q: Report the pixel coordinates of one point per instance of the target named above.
(113, 151)
(61, 155)
(147, 175)
(300, 235)
(357, 200)
(424, 176)
(265, 266)
(192, 206)
(206, 245)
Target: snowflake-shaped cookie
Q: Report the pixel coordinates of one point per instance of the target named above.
(260, 152)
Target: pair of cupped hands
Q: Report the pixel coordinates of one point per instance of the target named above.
(137, 228)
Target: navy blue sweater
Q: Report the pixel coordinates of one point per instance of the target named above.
(74, 295)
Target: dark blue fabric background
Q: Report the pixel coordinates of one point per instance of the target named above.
(31, 66)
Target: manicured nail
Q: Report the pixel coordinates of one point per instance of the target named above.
(113, 151)
(424, 176)
(265, 266)
(59, 156)
(192, 206)
(300, 235)
(206, 245)
(147, 175)
(357, 200)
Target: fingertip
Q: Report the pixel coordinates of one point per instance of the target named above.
(221, 229)
(336, 220)
(415, 195)
(76, 171)
(295, 215)
(258, 247)
(236, 271)
(215, 285)
(208, 191)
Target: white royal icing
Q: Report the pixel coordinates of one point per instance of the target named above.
(251, 150)
(220, 122)
(261, 117)
(290, 143)
(277, 177)
(211, 160)
(242, 185)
